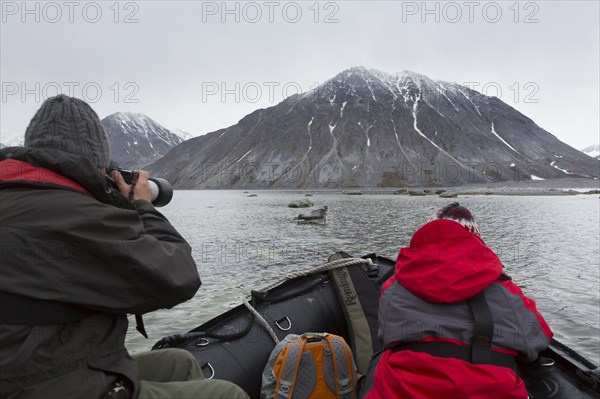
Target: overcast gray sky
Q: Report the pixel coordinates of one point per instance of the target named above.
(201, 66)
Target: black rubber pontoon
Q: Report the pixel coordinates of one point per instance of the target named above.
(234, 347)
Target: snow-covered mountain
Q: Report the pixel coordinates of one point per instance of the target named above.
(136, 140)
(366, 128)
(8, 139)
(592, 151)
(182, 133)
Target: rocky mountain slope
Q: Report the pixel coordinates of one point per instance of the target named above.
(136, 140)
(366, 128)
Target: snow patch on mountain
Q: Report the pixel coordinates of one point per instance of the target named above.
(182, 133)
(592, 151)
(501, 139)
(553, 164)
(136, 139)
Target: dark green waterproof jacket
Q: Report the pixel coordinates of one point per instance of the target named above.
(75, 258)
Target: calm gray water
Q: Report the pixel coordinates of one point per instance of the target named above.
(549, 245)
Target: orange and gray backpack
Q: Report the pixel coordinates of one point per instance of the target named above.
(310, 366)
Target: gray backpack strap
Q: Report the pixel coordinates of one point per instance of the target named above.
(483, 330)
(290, 367)
(343, 374)
(359, 300)
(269, 380)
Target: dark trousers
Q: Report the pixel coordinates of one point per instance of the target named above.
(175, 373)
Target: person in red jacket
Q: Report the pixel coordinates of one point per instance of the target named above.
(451, 322)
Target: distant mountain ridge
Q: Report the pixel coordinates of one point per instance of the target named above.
(182, 133)
(11, 140)
(592, 151)
(366, 128)
(137, 140)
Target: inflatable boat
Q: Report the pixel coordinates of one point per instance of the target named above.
(235, 345)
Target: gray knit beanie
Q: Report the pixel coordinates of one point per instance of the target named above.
(71, 125)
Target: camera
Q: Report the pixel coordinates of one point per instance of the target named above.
(162, 191)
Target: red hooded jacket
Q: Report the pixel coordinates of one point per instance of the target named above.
(426, 301)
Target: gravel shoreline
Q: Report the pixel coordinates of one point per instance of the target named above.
(567, 186)
(551, 187)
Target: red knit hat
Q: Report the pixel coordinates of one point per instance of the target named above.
(459, 214)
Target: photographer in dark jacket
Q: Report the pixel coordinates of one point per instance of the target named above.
(78, 255)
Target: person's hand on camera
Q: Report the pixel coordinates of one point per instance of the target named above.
(142, 190)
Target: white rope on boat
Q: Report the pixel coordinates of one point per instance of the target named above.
(336, 264)
(262, 321)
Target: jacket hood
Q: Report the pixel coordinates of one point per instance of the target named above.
(445, 263)
(74, 167)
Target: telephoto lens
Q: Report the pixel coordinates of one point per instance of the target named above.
(162, 191)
